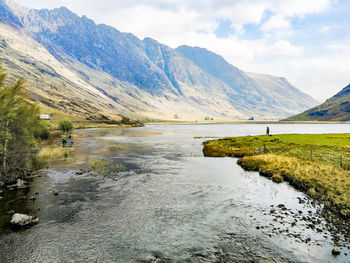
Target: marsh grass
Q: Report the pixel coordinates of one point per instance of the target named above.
(309, 162)
(98, 164)
(118, 168)
(114, 148)
(47, 153)
(105, 167)
(326, 148)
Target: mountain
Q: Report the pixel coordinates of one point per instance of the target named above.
(336, 108)
(78, 67)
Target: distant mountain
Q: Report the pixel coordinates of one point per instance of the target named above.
(84, 69)
(336, 108)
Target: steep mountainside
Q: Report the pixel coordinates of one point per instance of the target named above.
(79, 60)
(336, 108)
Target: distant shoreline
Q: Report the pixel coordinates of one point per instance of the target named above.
(241, 122)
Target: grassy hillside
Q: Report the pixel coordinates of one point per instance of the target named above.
(317, 164)
(336, 108)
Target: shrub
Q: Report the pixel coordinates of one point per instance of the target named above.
(65, 126)
(42, 132)
(18, 125)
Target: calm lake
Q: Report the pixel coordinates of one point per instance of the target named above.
(170, 204)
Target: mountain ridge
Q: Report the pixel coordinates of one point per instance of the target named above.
(144, 77)
(336, 108)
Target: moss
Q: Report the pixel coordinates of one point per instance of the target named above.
(277, 178)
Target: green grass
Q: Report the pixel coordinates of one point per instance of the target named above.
(311, 163)
(327, 148)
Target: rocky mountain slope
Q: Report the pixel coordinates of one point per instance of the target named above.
(76, 66)
(336, 108)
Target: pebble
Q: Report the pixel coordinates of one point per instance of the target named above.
(335, 252)
(33, 198)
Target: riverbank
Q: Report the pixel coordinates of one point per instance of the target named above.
(316, 164)
(48, 145)
(216, 122)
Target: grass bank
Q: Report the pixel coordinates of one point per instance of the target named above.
(318, 164)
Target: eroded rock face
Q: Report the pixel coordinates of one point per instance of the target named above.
(24, 220)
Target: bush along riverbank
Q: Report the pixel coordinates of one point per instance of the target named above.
(316, 164)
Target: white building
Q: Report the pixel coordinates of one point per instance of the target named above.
(45, 117)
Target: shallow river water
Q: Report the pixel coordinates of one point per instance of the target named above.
(170, 204)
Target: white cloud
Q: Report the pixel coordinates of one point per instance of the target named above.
(325, 29)
(276, 22)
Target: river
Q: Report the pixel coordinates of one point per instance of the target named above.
(170, 204)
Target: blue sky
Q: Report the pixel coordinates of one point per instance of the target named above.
(308, 42)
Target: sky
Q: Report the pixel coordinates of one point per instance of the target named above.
(305, 41)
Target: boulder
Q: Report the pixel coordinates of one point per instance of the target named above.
(24, 220)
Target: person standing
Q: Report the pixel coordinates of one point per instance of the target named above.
(64, 142)
(268, 131)
(70, 141)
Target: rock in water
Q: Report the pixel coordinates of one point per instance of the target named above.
(335, 252)
(21, 184)
(24, 220)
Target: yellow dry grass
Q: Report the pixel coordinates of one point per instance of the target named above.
(47, 153)
(330, 183)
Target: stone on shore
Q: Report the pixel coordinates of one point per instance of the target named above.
(335, 252)
(21, 184)
(24, 220)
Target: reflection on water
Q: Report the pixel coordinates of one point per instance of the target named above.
(169, 205)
